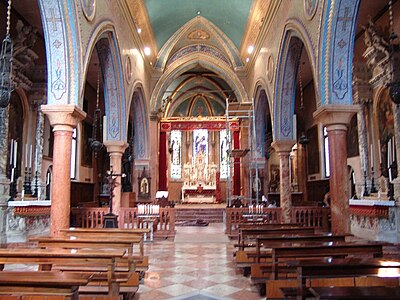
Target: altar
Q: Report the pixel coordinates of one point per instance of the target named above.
(199, 181)
(374, 219)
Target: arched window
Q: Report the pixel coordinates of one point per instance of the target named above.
(176, 154)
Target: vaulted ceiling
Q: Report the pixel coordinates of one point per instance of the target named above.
(166, 17)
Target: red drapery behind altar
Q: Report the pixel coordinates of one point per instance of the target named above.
(162, 162)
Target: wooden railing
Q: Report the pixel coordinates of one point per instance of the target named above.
(308, 215)
(92, 217)
(234, 216)
(312, 216)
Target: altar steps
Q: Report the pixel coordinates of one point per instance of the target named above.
(210, 215)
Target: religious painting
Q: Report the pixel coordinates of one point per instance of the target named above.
(86, 149)
(176, 154)
(310, 7)
(352, 138)
(274, 178)
(313, 150)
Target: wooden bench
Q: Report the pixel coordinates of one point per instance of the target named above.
(47, 258)
(355, 293)
(53, 285)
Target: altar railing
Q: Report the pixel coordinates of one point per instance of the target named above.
(92, 217)
(308, 215)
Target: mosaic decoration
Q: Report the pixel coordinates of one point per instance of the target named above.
(88, 8)
(54, 32)
(310, 7)
(337, 51)
(198, 48)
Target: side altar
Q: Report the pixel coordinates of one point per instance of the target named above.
(376, 219)
(199, 184)
(27, 217)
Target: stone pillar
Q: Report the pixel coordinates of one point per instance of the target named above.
(283, 149)
(39, 152)
(336, 118)
(4, 180)
(64, 119)
(116, 149)
(362, 141)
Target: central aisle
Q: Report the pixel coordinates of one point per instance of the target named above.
(198, 265)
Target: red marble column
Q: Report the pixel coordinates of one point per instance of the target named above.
(336, 118)
(116, 149)
(64, 119)
(162, 162)
(236, 166)
(283, 149)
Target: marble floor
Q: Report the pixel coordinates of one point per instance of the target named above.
(198, 265)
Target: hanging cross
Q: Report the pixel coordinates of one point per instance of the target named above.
(53, 19)
(345, 18)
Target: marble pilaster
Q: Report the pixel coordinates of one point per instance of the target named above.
(4, 181)
(302, 170)
(336, 118)
(64, 119)
(39, 151)
(283, 149)
(116, 149)
(362, 138)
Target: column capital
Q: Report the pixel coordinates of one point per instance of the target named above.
(335, 114)
(116, 146)
(283, 146)
(63, 117)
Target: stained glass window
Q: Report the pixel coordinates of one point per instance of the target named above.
(176, 154)
(223, 154)
(200, 146)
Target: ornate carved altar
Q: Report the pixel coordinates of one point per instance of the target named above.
(199, 181)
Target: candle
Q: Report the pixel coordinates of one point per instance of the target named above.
(390, 174)
(372, 157)
(30, 157)
(26, 155)
(354, 178)
(39, 192)
(393, 149)
(15, 154)
(22, 194)
(12, 175)
(389, 150)
(379, 152)
(11, 151)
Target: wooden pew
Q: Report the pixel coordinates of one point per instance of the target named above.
(356, 293)
(47, 258)
(141, 261)
(48, 284)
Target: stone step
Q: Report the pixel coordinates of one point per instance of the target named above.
(210, 215)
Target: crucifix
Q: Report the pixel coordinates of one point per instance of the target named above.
(346, 18)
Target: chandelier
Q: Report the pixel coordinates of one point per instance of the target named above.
(6, 57)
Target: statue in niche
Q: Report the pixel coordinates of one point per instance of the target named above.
(144, 184)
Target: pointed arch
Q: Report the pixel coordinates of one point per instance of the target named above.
(223, 42)
(285, 87)
(182, 65)
(114, 92)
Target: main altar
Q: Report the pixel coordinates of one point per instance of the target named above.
(199, 181)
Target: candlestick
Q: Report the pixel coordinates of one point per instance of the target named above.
(365, 193)
(372, 157)
(373, 188)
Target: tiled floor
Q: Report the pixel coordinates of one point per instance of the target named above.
(198, 265)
